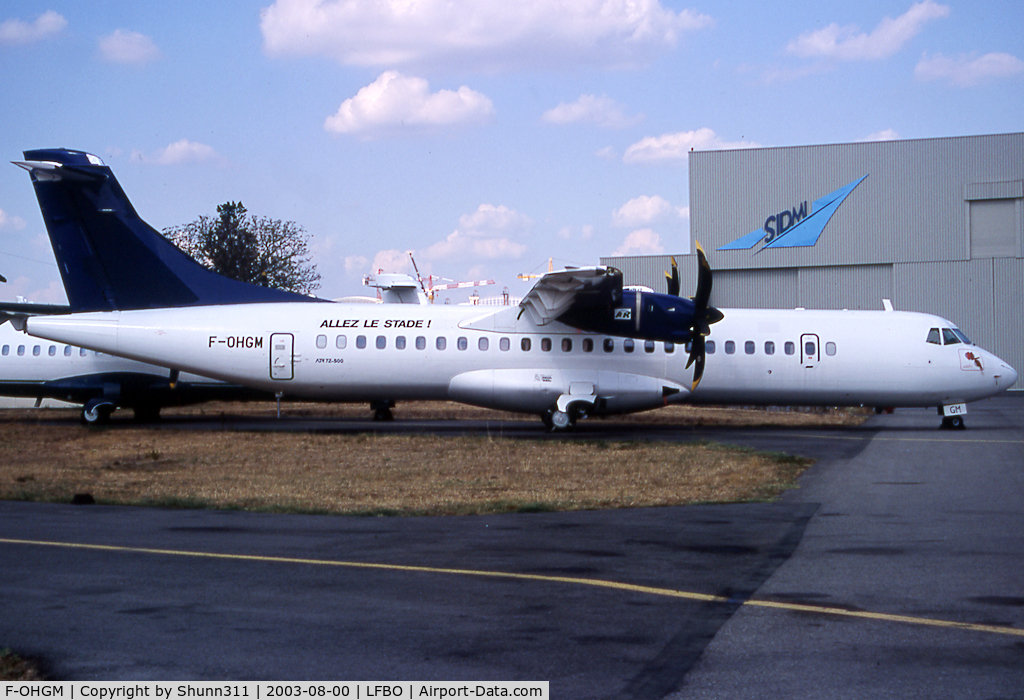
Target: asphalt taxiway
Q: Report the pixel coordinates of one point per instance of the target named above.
(895, 570)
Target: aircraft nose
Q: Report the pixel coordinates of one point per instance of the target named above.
(1008, 377)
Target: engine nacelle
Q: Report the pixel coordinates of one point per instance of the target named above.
(641, 315)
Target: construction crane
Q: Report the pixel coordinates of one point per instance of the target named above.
(430, 289)
(551, 268)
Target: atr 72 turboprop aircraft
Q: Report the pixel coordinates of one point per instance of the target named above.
(578, 344)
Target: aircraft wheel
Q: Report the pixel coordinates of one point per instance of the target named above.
(953, 423)
(382, 410)
(96, 413)
(560, 420)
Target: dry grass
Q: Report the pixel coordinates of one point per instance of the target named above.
(44, 458)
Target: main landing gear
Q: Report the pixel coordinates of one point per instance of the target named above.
(566, 412)
(382, 409)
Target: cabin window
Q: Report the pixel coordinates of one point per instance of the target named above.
(360, 341)
(769, 347)
(421, 343)
(748, 347)
(441, 342)
(321, 341)
(709, 347)
(7, 350)
(545, 344)
(67, 351)
(730, 347)
(790, 347)
(830, 349)
(934, 337)
(525, 344)
(483, 344)
(588, 345)
(670, 348)
(341, 342)
(648, 346)
(462, 343)
(628, 345)
(36, 350)
(810, 349)
(609, 345)
(504, 344)
(400, 343)
(52, 351)
(566, 344)
(21, 350)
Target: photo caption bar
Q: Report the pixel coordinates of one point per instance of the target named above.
(264, 690)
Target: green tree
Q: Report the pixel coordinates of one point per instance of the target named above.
(259, 250)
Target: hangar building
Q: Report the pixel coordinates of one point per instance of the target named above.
(935, 225)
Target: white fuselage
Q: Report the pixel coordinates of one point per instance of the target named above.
(501, 359)
(27, 362)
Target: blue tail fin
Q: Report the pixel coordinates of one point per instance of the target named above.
(109, 258)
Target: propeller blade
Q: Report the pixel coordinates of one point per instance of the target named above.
(673, 279)
(704, 316)
(697, 356)
(703, 294)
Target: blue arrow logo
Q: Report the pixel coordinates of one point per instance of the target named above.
(797, 228)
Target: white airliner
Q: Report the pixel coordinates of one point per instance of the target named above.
(37, 369)
(578, 344)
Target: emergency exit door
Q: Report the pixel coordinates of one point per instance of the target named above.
(282, 363)
(810, 350)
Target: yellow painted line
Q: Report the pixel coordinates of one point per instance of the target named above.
(596, 583)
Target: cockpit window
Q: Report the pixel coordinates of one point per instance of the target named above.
(934, 337)
(963, 338)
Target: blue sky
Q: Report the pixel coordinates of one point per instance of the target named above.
(485, 137)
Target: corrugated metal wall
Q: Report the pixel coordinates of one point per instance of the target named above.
(903, 233)
(910, 208)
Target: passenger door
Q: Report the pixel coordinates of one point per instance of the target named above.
(282, 364)
(810, 350)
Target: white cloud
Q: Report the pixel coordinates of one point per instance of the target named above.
(677, 146)
(16, 31)
(391, 261)
(602, 111)
(848, 44)
(357, 264)
(967, 71)
(883, 135)
(491, 232)
(125, 46)
(12, 222)
(29, 289)
(645, 210)
(394, 101)
(641, 242)
(481, 35)
(178, 153)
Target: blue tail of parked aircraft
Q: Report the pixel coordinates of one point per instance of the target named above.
(109, 258)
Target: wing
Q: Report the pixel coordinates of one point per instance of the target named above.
(577, 289)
